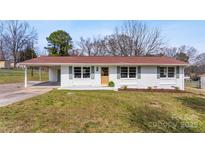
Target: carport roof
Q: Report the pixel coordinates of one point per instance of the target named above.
(102, 60)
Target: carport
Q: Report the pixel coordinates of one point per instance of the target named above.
(54, 76)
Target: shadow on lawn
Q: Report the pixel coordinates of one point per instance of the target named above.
(195, 103)
(151, 119)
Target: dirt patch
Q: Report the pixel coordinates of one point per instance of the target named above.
(70, 93)
(155, 104)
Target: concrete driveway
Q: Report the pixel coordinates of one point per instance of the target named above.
(15, 92)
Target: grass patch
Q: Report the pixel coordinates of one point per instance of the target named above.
(17, 75)
(105, 111)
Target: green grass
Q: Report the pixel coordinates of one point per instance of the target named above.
(106, 111)
(17, 75)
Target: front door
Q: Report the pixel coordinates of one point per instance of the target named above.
(104, 75)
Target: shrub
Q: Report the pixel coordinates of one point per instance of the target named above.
(124, 87)
(111, 84)
(149, 88)
(176, 88)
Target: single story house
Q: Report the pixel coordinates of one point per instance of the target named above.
(97, 71)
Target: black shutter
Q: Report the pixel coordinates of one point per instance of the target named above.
(92, 72)
(118, 72)
(177, 72)
(158, 72)
(70, 72)
(139, 72)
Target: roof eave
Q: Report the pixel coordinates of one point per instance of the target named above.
(98, 64)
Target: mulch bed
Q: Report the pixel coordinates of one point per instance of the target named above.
(153, 90)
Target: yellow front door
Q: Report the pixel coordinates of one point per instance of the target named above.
(104, 75)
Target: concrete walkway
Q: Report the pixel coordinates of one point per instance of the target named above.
(15, 92)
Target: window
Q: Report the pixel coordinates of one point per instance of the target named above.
(167, 72)
(132, 72)
(163, 72)
(86, 72)
(81, 72)
(77, 72)
(171, 72)
(124, 72)
(128, 72)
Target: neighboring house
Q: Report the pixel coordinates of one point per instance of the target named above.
(17, 65)
(202, 81)
(5, 64)
(133, 72)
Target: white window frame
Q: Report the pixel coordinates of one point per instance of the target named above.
(81, 67)
(167, 73)
(128, 72)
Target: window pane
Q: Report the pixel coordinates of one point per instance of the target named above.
(86, 72)
(124, 72)
(132, 72)
(77, 72)
(163, 72)
(104, 71)
(171, 72)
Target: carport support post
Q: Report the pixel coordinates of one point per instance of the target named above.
(39, 73)
(25, 76)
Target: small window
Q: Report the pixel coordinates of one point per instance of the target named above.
(171, 72)
(86, 72)
(132, 72)
(124, 72)
(163, 72)
(77, 72)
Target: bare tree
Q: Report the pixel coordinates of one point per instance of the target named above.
(200, 59)
(184, 53)
(2, 52)
(99, 46)
(169, 51)
(132, 38)
(118, 44)
(17, 36)
(85, 46)
(92, 47)
(189, 51)
(136, 38)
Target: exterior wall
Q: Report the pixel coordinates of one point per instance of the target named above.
(202, 81)
(53, 74)
(66, 82)
(148, 79)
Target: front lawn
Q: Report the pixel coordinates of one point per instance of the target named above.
(106, 111)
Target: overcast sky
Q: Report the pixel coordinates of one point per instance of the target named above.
(175, 32)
